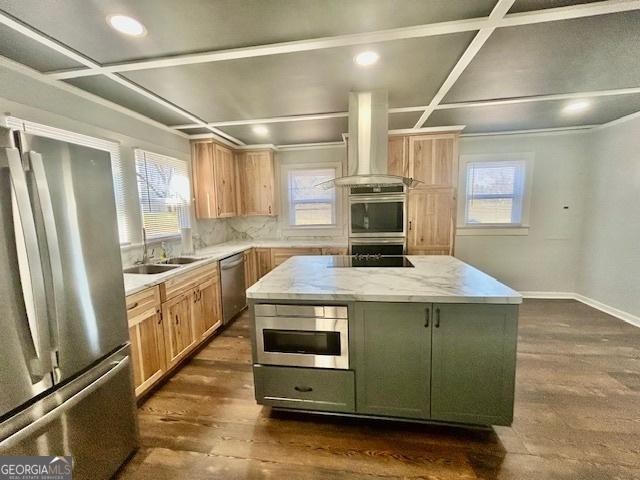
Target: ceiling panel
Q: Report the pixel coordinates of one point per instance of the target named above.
(196, 25)
(596, 53)
(22, 49)
(529, 5)
(534, 115)
(106, 88)
(195, 131)
(312, 131)
(398, 121)
(309, 82)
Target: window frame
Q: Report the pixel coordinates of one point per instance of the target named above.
(171, 236)
(526, 160)
(337, 228)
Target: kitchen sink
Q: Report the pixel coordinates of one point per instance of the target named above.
(181, 260)
(149, 269)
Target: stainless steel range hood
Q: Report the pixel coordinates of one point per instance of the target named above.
(368, 144)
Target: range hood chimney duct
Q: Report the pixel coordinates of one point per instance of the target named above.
(368, 144)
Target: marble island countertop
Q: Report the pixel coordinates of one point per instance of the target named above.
(134, 283)
(435, 278)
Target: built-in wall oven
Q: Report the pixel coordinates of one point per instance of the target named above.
(377, 224)
(302, 335)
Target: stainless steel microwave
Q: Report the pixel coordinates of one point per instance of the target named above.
(381, 215)
(302, 336)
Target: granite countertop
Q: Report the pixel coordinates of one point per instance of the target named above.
(434, 278)
(134, 283)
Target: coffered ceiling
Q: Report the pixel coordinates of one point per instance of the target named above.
(221, 67)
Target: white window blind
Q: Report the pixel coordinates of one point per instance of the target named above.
(495, 192)
(309, 205)
(87, 141)
(164, 192)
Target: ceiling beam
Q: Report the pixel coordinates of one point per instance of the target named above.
(73, 55)
(499, 11)
(417, 31)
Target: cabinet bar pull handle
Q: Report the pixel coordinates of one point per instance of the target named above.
(409, 224)
(133, 306)
(437, 318)
(177, 320)
(427, 314)
(303, 389)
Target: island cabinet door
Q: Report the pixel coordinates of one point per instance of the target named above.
(473, 363)
(392, 359)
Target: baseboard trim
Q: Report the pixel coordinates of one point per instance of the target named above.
(615, 312)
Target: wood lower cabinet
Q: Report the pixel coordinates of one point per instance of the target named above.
(263, 261)
(169, 321)
(257, 182)
(473, 363)
(335, 251)
(207, 312)
(280, 255)
(392, 359)
(431, 221)
(178, 327)
(147, 339)
(250, 267)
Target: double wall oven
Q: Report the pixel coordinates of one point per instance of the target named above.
(302, 335)
(377, 220)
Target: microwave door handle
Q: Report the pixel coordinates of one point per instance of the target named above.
(53, 244)
(38, 352)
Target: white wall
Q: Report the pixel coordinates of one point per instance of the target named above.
(610, 256)
(24, 95)
(547, 258)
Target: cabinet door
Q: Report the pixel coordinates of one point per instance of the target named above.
(280, 255)
(398, 161)
(433, 160)
(203, 186)
(473, 363)
(263, 260)
(147, 348)
(224, 171)
(393, 351)
(178, 331)
(431, 214)
(257, 182)
(250, 267)
(335, 251)
(207, 308)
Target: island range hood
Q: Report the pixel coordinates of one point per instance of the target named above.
(368, 144)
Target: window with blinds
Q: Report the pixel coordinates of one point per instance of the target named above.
(164, 192)
(495, 192)
(87, 141)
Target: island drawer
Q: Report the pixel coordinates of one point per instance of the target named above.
(305, 388)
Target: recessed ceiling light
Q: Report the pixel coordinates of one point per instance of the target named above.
(127, 25)
(367, 58)
(260, 130)
(577, 106)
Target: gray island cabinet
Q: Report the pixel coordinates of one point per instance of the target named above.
(435, 342)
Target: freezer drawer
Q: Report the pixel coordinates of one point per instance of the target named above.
(91, 418)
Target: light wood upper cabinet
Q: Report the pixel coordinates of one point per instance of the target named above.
(398, 161)
(147, 338)
(433, 159)
(224, 172)
(257, 183)
(203, 185)
(431, 221)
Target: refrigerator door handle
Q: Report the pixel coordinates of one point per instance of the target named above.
(38, 354)
(55, 413)
(53, 245)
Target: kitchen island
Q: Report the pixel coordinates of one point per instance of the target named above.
(426, 338)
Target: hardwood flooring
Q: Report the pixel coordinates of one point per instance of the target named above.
(577, 416)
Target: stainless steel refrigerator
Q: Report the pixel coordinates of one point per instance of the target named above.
(65, 369)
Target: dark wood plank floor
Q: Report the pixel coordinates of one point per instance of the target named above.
(577, 416)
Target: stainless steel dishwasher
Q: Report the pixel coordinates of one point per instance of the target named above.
(234, 297)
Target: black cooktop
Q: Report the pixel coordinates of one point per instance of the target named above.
(391, 261)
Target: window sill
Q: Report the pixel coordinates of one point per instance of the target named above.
(492, 230)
